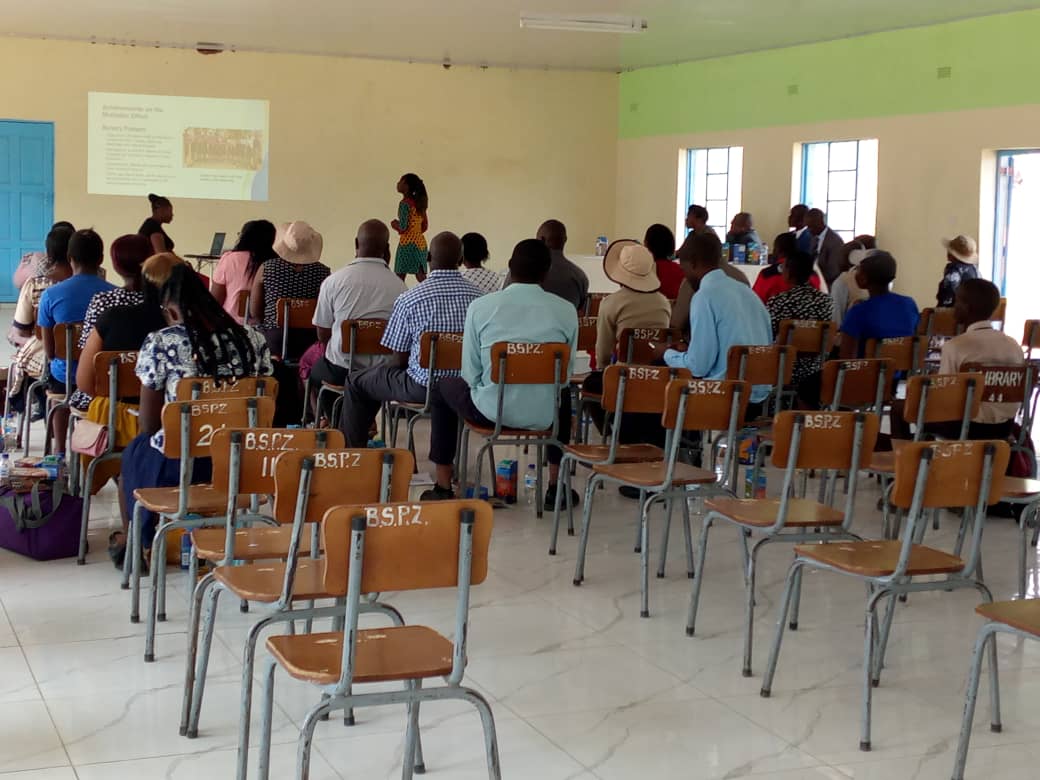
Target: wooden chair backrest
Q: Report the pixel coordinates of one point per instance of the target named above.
(261, 448)
(709, 404)
(124, 364)
(366, 336)
(587, 334)
(938, 322)
(947, 396)
(826, 439)
(530, 364)
(340, 476)
(203, 388)
(1031, 336)
(1003, 384)
(808, 335)
(955, 475)
(411, 546)
(1000, 313)
(861, 380)
(298, 312)
(907, 353)
(242, 303)
(634, 343)
(449, 351)
(592, 303)
(762, 366)
(62, 331)
(208, 417)
(645, 387)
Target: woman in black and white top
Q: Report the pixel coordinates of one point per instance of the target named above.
(152, 228)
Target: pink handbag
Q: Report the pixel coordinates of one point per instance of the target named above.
(90, 438)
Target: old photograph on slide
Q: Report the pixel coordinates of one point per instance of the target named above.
(221, 148)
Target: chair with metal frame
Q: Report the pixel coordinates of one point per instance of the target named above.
(808, 337)
(592, 304)
(394, 547)
(242, 305)
(188, 429)
(307, 485)
(1020, 619)
(1031, 339)
(116, 380)
(579, 398)
(999, 315)
(939, 322)
(359, 337)
(514, 363)
(930, 476)
(1012, 385)
(66, 339)
(831, 442)
(294, 314)
(635, 345)
(208, 388)
(864, 384)
(691, 405)
(907, 353)
(626, 390)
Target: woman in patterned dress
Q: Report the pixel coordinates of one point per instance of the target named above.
(411, 224)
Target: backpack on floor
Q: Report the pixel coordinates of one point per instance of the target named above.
(42, 523)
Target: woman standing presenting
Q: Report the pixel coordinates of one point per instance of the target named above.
(152, 228)
(411, 224)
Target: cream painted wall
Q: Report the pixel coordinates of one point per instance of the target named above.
(500, 150)
(934, 171)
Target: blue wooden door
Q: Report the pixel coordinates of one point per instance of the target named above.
(26, 195)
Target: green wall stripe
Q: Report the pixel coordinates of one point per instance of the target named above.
(993, 62)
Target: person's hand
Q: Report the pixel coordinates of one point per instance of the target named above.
(658, 350)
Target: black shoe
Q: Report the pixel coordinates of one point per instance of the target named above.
(550, 499)
(438, 493)
(627, 491)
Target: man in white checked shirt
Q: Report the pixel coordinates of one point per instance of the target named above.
(438, 304)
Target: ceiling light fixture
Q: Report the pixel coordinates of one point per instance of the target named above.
(601, 24)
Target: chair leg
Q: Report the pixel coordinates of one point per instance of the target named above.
(487, 722)
(662, 558)
(586, 522)
(137, 554)
(1023, 552)
(246, 692)
(639, 529)
(869, 650)
(155, 592)
(194, 615)
(85, 517)
(781, 624)
(558, 506)
(480, 472)
(209, 624)
(698, 576)
(463, 463)
(410, 763)
(644, 557)
(796, 603)
(128, 557)
(687, 535)
(986, 639)
(159, 572)
(961, 531)
(539, 485)
(749, 606)
(263, 771)
(882, 643)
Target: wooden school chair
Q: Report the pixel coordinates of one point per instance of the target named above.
(1031, 339)
(771, 365)
(359, 338)
(208, 388)
(115, 379)
(808, 337)
(1019, 619)
(579, 398)
(999, 316)
(966, 475)
(395, 547)
(294, 314)
(307, 484)
(635, 345)
(907, 353)
(1012, 385)
(515, 363)
(938, 322)
(700, 405)
(592, 303)
(832, 442)
(66, 346)
(626, 390)
(242, 306)
(188, 429)
(866, 384)
(438, 352)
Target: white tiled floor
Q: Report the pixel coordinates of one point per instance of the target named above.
(581, 686)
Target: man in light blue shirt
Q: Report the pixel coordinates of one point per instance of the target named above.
(724, 313)
(522, 312)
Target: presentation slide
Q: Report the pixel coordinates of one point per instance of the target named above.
(180, 147)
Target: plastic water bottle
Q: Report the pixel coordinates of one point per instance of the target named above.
(186, 550)
(530, 482)
(5, 467)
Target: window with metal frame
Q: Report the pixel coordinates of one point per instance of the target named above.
(713, 178)
(840, 177)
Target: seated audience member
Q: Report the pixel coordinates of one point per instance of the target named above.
(237, 269)
(742, 230)
(697, 220)
(474, 255)
(772, 280)
(660, 240)
(962, 260)
(980, 343)
(523, 312)
(294, 272)
(564, 279)
(723, 314)
(201, 339)
(67, 302)
(681, 307)
(884, 315)
(438, 304)
(363, 289)
(846, 291)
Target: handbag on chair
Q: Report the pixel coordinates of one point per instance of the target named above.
(90, 438)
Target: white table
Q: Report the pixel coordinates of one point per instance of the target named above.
(599, 283)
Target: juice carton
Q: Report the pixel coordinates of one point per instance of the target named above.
(747, 446)
(506, 480)
(751, 489)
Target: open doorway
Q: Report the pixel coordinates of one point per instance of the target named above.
(1016, 269)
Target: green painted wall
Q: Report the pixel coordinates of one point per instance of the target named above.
(994, 62)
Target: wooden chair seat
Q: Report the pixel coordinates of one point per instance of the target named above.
(590, 396)
(203, 500)
(626, 453)
(263, 582)
(382, 655)
(762, 513)
(410, 405)
(251, 544)
(522, 433)
(885, 462)
(330, 386)
(879, 559)
(1023, 614)
(650, 474)
(53, 396)
(79, 414)
(579, 379)
(1017, 488)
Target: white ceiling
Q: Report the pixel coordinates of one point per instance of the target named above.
(482, 31)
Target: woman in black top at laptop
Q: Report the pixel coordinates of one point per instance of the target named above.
(152, 228)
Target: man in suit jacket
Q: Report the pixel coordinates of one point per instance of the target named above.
(827, 247)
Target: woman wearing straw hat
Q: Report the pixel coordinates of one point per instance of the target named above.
(962, 260)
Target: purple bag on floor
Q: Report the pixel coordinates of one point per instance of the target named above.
(42, 524)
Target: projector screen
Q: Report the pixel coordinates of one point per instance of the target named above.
(182, 147)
